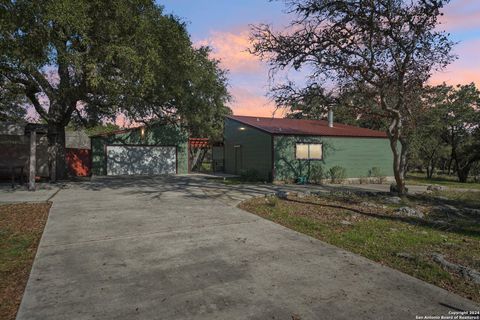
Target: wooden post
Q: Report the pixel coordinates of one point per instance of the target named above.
(33, 160)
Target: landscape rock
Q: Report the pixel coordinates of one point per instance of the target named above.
(369, 204)
(454, 210)
(393, 200)
(304, 194)
(450, 208)
(346, 223)
(465, 272)
(405, 255)
(409, 212)
(434, 187)
(471, 211)
(282, 194)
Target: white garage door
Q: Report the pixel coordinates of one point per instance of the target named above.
(141, 160)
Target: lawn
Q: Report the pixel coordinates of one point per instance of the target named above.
(366, 226)
(443, 180)
(21, 227)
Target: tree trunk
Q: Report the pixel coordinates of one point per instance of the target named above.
(462, 173)
(56, 151)
(449, 167)
(394, 133)
(430, 168)
(399, 163)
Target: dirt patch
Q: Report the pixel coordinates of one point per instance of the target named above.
(21, 227)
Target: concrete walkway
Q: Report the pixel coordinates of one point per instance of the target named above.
(44, 192)
(177, 248)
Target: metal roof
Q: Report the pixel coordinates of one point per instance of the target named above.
(306, 127)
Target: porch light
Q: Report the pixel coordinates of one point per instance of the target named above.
(241, 128)
(142, 132)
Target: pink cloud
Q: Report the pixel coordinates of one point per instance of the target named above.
(231, 48)
(464, 70)
(461, 14)
(250, 103)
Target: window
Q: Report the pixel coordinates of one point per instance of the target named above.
(309, 151)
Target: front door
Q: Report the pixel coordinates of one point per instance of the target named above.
(238, 159)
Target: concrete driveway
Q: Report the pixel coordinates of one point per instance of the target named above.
(178, 248)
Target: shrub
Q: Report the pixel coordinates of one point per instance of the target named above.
(377, 174)
(364, 180)
(316, 174)
(337, 174)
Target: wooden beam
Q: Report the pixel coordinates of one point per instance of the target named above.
(33, 160)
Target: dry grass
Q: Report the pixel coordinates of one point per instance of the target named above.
(21, 227)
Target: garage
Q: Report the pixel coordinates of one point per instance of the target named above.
(141, 160)
(155, 149)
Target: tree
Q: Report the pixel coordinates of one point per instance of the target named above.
(90, 60)
(350, 107)
(427, 145)
(460, 118)
(382, 49)
(11, 104)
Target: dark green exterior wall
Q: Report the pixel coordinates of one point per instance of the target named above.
(256, 149)
(156, 135)
(356, 155)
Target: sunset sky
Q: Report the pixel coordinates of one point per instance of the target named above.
(224, 25)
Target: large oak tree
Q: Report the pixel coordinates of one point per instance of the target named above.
(90, 60)
(381, 49)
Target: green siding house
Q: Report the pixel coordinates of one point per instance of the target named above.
(147, 150)
(287, 149)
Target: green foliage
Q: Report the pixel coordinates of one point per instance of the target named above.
(316, 174)
(102, 128)
(337, 174)
(91, 60)
(11, 100)
(448, 127)
(460, 116)
(377, 174)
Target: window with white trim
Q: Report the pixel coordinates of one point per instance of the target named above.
(309, 151)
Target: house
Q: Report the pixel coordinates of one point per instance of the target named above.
(146, 150)
(286, 149)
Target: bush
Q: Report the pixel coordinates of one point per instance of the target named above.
(316, 174)
(377, 174)
(337, 174)
(364, 180)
